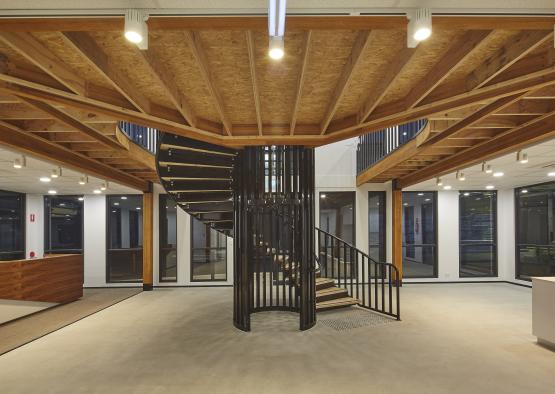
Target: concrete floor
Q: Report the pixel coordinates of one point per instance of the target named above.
(461, 338)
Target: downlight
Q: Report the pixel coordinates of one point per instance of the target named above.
(419, 27)
(276, 28)
(522, 157)
(83, 180)
(20, 162)
(439, 182)
(461, 176)
(136, 29)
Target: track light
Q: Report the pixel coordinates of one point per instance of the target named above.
(419, 27)
(522, 157)
(104, 186)
(486, 168)
(56, 172)
(136, 29)
(84, 180)
(439, 182)
(276, 27)
(461, 176)
(20, 162)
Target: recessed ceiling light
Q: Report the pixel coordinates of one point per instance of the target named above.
(136, 29)
(551, 174)
(447, 187)
(97, 191)
(276, 50)
(498, 174)
(52, 192)
(419, 27)
(276, 27)
(45, 179)
(489, 187)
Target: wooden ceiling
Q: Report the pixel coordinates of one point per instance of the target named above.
(69, 81)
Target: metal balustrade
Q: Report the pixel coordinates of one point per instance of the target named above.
(374, 284)
(146, 137)
(374, 146)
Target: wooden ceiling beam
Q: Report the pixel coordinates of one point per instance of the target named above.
(36, 53)
(254, 79)
(195, 44)
(73, 122)
(516, 49)
(84, 44)
(394, 70)
(527, 107)
(297, 22)
(361, 43)
(300, 80)
(457, 53)
(528, 134)
(28, 143)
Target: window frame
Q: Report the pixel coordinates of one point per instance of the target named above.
(47, 226)
(162, 216)
(495, 241)
(436, 244)
(382, 195)
(23, 218)
(354, 193)
(192, 248)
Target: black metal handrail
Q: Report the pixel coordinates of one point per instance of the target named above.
(374, 284)
(145, 137)
(374, 146)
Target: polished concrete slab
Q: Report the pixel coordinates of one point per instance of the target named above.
(456, 338)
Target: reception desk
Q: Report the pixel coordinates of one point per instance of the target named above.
(53, 278)
(543, 310)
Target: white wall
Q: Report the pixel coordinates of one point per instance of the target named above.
(94, 248)
(34, 231)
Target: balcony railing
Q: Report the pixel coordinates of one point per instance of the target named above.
(374, 146)
(146, 137)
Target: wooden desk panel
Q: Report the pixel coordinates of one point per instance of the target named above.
(55, 278)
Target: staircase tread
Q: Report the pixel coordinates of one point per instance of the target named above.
(324, 280)
(330, 290)
(337, 302)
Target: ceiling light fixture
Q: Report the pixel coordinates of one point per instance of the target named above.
(419, 27)
(522, 157)
(466, 194)
(447, 187)
(20, 162)
(551, 174)
(123, 197)
(56, 172)
(97, 191)
(81, 198)
(498, 174)
(322, 196)
(84, 180)
(52, 192)
(276, 28)
(420, 194)
(136, 29)
(524, 191)
(490, 187)
(486, 168)
(104, 186)
(461, 176)
(439, 182)
(45, 179)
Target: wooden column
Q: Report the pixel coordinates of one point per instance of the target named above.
(148, 240)
(397, 229)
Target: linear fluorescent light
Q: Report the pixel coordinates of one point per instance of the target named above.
(276, 28)
(419, 27)
(136, 29)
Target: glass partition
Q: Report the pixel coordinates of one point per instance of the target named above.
(477, 234)
(124, 259)
(208, 253)
(63, 224)
(535, 227)
(420, 234)
(12, 225)
(168, 239)
(376, 226)
(337, 214)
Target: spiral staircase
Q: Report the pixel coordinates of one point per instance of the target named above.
(199, 177)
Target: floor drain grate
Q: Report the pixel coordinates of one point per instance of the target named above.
(356, 318)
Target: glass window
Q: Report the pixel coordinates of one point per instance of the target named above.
(168, 239)
(419, 235)
(337, 214)
(535, 227)
(477, 234)
(124, 261)
(12, 226)
(63, 224)
(376, 226)
(208, 253)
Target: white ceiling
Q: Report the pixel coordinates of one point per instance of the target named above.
(541, 160)
(302, 6)
(26, 180)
